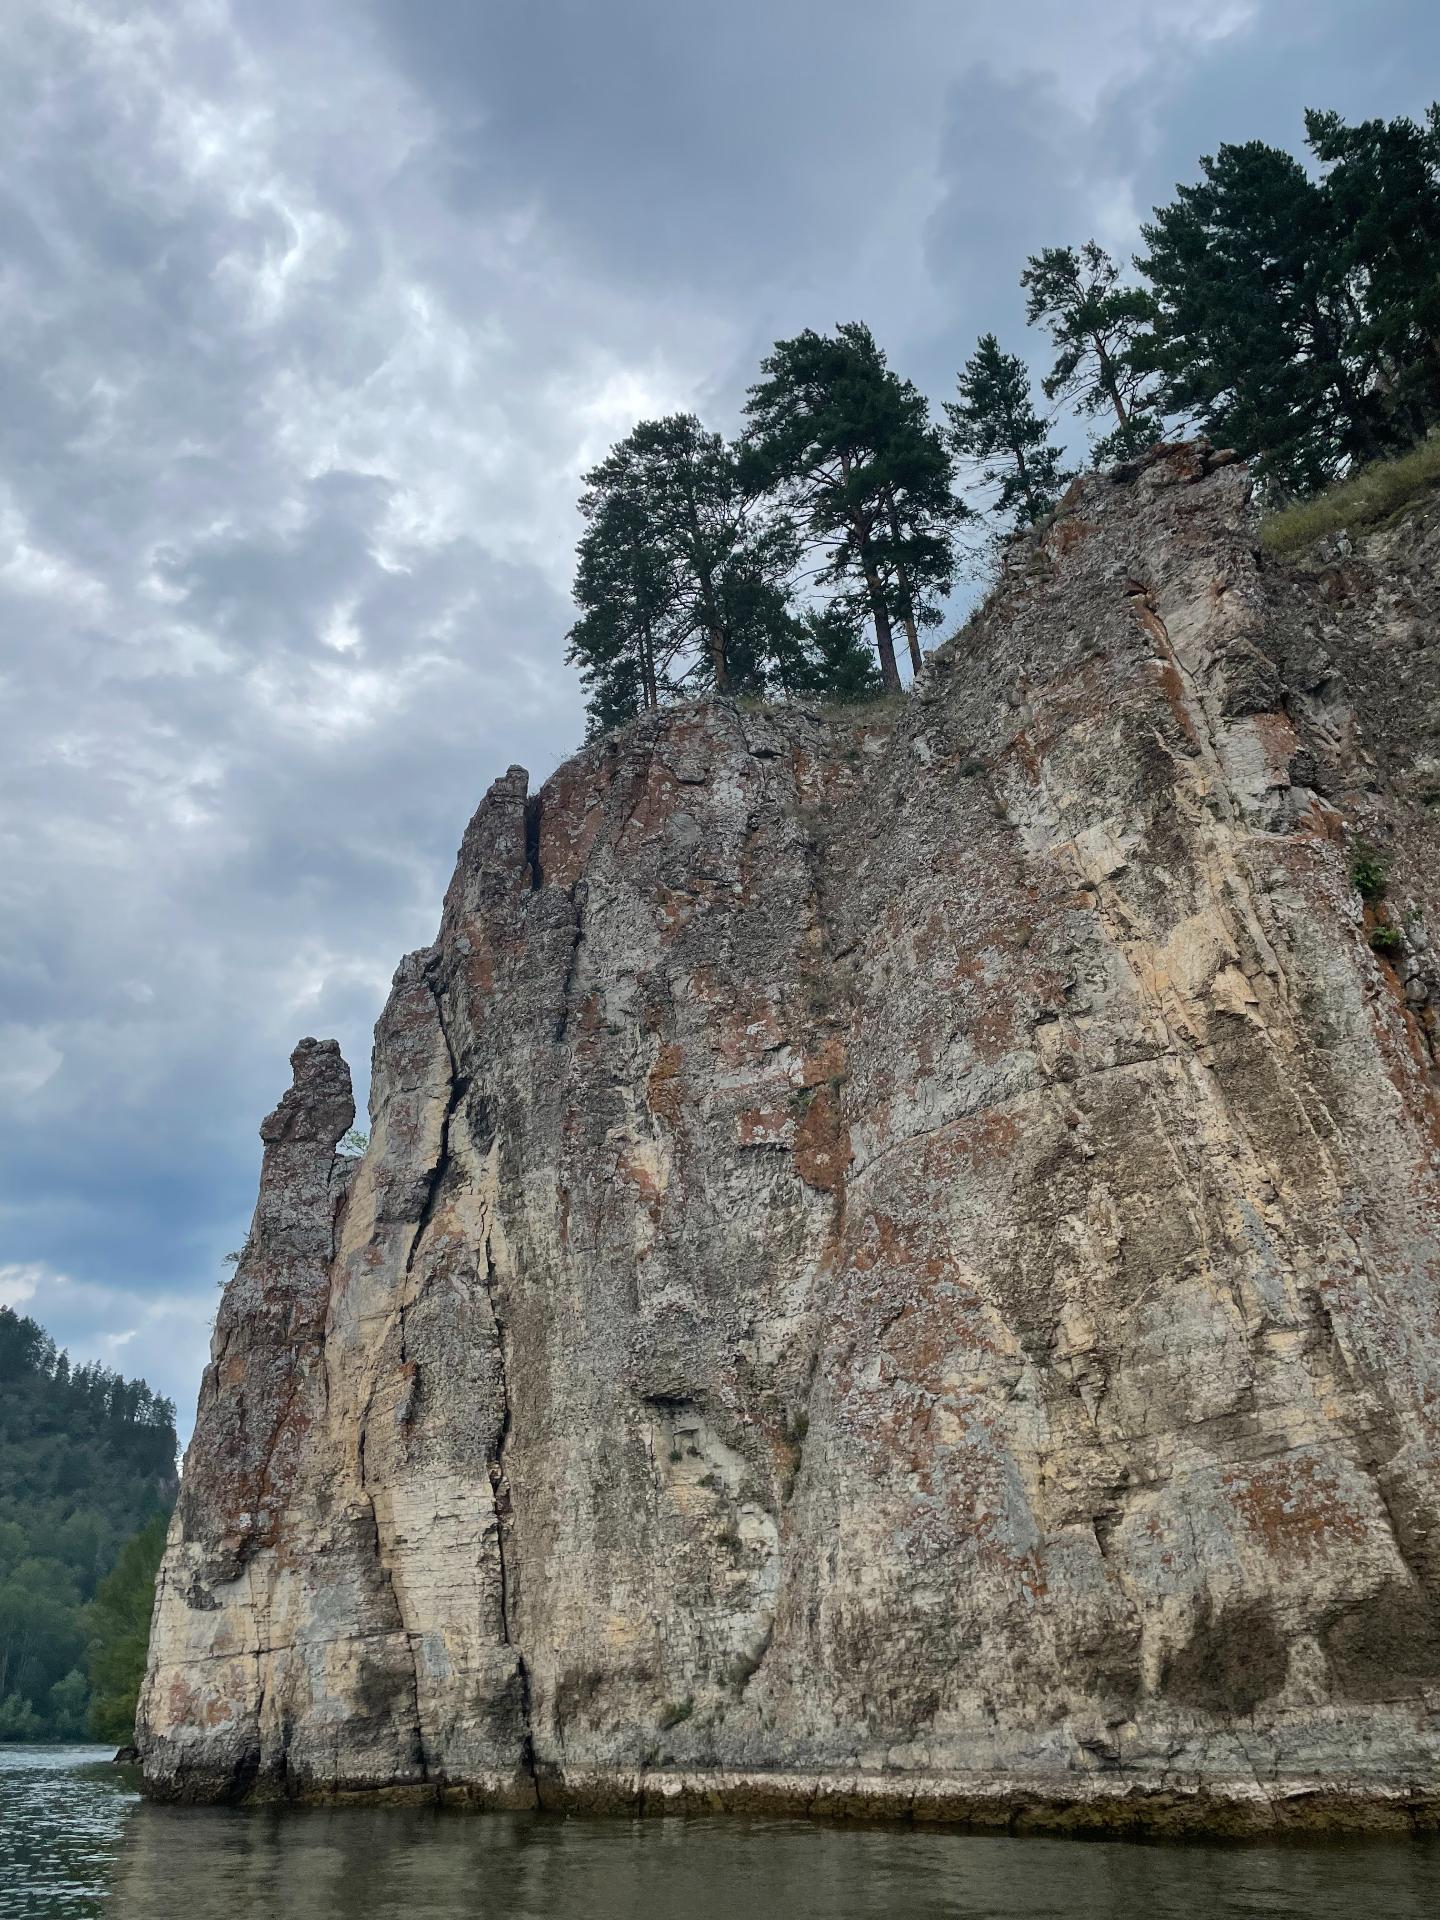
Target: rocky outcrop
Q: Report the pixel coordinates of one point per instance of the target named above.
(898, 1260)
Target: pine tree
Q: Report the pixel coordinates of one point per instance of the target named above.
(994, 424)
(680, 575)
(1098, 327)
(922, 514)
(621, 642)
(1382, 182)
(851, 452)
(1254, 329)
(828, 657)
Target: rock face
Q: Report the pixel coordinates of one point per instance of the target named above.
(898, 1261)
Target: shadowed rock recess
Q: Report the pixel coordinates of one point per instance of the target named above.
(897, 1267)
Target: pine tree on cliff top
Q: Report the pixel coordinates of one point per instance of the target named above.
(828, 657)
(994, 425)
(621, 642)
(1382, 182)
(1098, 327)
(1255, 321)
(851, 452)
(680, 575)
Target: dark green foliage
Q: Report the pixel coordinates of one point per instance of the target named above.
(1386, 939)
(994, 424)
(680, 575)
(826, 656)
(1098, 326)
(1291, 315)
(1254, 330)
(86, 1458)
(620, 642)
(118, 1620)
(1382, 184)
(1298, 318)
(1369, 872)
(850, 451)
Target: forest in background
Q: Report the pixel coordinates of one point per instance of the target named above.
(87, 1481)
(1288, 308)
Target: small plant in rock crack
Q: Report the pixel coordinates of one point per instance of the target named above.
(1386, 939)
(675, 1456)
(674, 1711)
(1369, 872)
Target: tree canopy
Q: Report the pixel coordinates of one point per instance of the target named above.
(1381, 180)
(1096, 324)
(118, 1622)
(994, 425)
(1297, 317)
(850, 450)
(681, 574)
(1250, 330)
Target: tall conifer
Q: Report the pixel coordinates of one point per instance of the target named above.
(680, 575)
(850, 450)
(994, 425)
(1098, 326)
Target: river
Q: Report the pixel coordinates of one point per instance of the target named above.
(75, 1839)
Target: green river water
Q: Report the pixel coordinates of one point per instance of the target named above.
(75, 1839)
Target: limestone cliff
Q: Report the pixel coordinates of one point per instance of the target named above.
(898, 1261)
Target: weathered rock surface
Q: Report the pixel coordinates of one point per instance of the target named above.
(898, 1262)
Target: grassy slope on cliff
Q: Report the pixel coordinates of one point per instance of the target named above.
(1374, 494)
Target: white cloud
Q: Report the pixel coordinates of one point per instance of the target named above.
(28, 1058)
(18, 1284)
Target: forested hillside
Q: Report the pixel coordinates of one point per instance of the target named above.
(87, 1462)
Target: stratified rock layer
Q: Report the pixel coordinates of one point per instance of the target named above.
(896, 1265)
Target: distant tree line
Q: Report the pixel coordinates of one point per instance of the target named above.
(87, 1479)
(1292, 313)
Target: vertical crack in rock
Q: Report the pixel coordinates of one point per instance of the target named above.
(499, 1483)
(532, 842)
(458, 1084)
(503, 1508)
(578, 895)
(421, 1753)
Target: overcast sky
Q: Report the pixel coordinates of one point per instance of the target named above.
(311, 313)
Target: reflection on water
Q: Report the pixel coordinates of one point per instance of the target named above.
(75, 1840)
(60, 1828)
